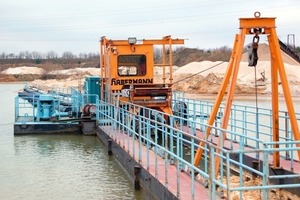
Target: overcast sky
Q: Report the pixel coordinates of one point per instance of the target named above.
(77, 25)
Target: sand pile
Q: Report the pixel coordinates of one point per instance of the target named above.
(206, 76)
(274, 194)
(55, 84)
(158, 70)
(24, 70)
(81, 71)
(203, 68)
(75, 78)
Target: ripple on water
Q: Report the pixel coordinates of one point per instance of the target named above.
(62, 167)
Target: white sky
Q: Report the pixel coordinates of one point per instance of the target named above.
(77, 25)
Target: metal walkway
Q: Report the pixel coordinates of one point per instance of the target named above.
(247, 142)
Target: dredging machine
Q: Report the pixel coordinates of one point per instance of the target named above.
(236, 143)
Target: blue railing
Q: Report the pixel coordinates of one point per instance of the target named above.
(246, 120)
(169, 141)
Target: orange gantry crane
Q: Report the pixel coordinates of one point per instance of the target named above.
(254, 26)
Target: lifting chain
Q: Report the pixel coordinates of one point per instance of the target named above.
(252, 53)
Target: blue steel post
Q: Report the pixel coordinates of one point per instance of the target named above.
(192, 168)
(205, 156)
(221, 156)
(212, 174)
(172, 140)
(97, 110)
(178, 167)
(120, 122)
(155, 147)
(140, 141)
(181, 142)
(287, 154)
(245, 126)
(126, 128)
(166, 156)
(216, 125)
(265, 171)
(233, 116)
(228, 174)
(132, 132)
(257, 130)
(133, 129)
(188, 112)
(148, 142)
(241, 146)
(292, 160)
(163, 133)
(194, 119)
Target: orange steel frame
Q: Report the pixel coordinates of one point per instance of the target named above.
(111, 49)
(230, 78)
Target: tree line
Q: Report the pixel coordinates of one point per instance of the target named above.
(35, 55)
(49, 55)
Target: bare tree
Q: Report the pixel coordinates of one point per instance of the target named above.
(2, 55)
(21, 55)
(27, 55)
(11, 55)
(36, 55)
(81, 55)
(51, 55)
(157, 53)
(68, 55)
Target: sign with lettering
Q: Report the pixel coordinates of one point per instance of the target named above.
(131, 81)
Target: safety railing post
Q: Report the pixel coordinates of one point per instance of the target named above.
(148, 142)
(172, 140)
(155, 148)
(221, 156)
(228, 175)
(257, 131)
(166, 157)
(178, 167)
(140, 141)
(193, 170)
(241, 146)
(212, 174)
(265, 193)
(131, 124)
(287, 154)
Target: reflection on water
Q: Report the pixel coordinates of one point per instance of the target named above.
(62, 167)
(57, 167)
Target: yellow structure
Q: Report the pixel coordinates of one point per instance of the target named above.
(255, 27)
(127, 71)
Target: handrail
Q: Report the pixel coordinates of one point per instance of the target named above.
(126, 121)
